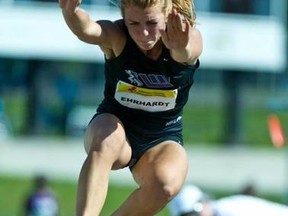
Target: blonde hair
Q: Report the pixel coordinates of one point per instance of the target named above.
(187, 9)
(184, 7)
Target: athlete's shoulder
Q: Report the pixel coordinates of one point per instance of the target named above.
(116, 37)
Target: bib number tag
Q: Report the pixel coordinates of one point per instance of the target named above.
(152, 100)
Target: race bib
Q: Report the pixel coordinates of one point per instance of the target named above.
(152, 100)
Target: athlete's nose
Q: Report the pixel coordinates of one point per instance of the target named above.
(144, 30)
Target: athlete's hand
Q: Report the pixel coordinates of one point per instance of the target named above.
(69, 5)
(177, 34)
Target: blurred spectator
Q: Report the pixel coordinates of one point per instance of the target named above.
(41, 201)
(192, 201)
(249, 189)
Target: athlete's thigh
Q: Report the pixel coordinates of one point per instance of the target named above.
(106, 132)
(165, 163)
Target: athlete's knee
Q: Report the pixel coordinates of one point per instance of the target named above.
(167, 188)
(172, 179)
(170, 189)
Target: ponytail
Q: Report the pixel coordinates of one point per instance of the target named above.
(187, 9)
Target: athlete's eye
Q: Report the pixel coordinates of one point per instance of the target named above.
(152, 23)
(132, 23)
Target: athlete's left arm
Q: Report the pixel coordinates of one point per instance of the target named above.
(182, 39)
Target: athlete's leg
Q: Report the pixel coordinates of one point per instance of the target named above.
(107, 148)
(160, 173)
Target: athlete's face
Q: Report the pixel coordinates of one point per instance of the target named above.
(144, 25)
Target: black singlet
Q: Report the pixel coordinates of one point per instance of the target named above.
(147, 95)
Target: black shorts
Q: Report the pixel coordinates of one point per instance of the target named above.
(141, 142)
(144, 132)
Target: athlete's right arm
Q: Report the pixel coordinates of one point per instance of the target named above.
(80, 23)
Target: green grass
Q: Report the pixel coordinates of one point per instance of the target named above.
(14, 190)
(206, 126)
(203, 125)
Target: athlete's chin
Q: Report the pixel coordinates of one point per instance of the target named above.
(147, 45)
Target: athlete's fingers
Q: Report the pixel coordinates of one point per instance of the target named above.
(69, 5)
(179, 21)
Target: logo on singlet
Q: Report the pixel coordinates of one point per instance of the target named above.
(150, 80)
(174, 121)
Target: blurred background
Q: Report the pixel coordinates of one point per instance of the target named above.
(51, 84)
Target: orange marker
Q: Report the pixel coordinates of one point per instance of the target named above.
(276, 131)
